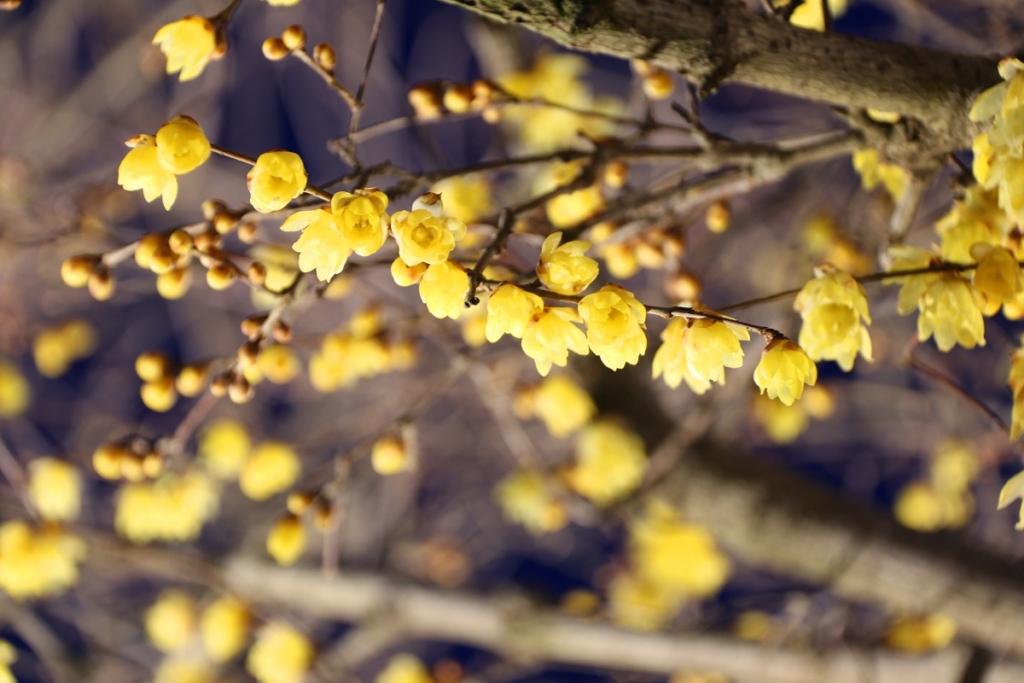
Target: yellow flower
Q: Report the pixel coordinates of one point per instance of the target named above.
(172, 621)
(277, 178)
(466, 197)
(921, 634)
(405, 275)
(569, 208)
(563, 405)
(999, 152)
(141, 170)
(913, 286)
(784, 370)
(698, 352)
(998, 276)
(610, 462)
(280, 654)
(404, 668)
(510, 310)
(286, 540)
(811, 16)
(271, 468)
(188, 44)
(321, 246)
(782, 423)
(923, 507)
(15, 393)
(172, 508)
(278, 363)
(680, 557)
(55, 489)
(1011, 491)
(181, 145)
(38, 562)
(834, 309)
(361, 219)
(8, 655)
(954, 466)
(223, 448)
(615, 325)
(551, 336)
(443, 289)
(425, 235)
(528, 498)
(975, 218)
(564, 269)
(951, 310)
(224, 627)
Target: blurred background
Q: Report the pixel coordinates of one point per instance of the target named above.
(78, 78)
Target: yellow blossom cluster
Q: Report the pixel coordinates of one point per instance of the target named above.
(174, 507)
(974, 218)
(555, 79)
(154, 163)
(38, 561)
(835, 316)
(54, 349)
(873, 171)
(563, 405)
(652, 249)
(698, 351)
(564, 268)
(670, 562)
(610, 462)
(826, 241)
(360, 351)
(572, 207)
(196, 638)
(944, 500)
(999, 152)
(467, 198)
(784, 371)
(265, 470)
(950, 306)
(15, 392)
(615, 326)
(8, 655)
(530, 498)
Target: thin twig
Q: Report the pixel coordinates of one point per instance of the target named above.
(910, 361)
(14, 473)
(357, 111)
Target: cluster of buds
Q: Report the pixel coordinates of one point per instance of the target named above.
(291, 39)
(89, 270)
(653, 249)
(163, 379)
(656, 82)
(433, 100)
(287, 537)
(132, 459)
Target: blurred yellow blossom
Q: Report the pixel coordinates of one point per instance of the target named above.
(873, 171)
(172, 621)
(279, 364)
(277, 178)
(224, 627)
(572, 207)
(185, 669)
(641, 605)
(551, 336)
(443, 289)
(271, 468)
(171, 508)
(286, 540)
(528, 498)
(280, 654)
(37, 562)
(923, 507)
(951, 309)
(8, 655)
(610, 462)
(615, 325)
(998, 276)
(784, 370)
(224, 446)
(921, 634)
(562, 404)
(55, 489)
(974, 218)
(811, 15)
(466, 197)
(1011, 491)
(999, 152)
(954, 466)
(391, 454)
(404, 668)
(15, 393)
(141, 170)
(188, 44)
(563, 268)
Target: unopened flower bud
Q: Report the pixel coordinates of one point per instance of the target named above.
(491, 115)
(152, 365)
(323, 516)
(257, 273)
(247, 232)
(163, 259)
(484, 93)
(180, 242)
(251, 326)
(219, 385)
(191, 380)
(220, 276)
(658, 85)
(106, 460)
(426, 100)
(132, 468)
(274, 49)
(76, 270)
(101, 284)
(294, 37)
(159, 395)
(615, 174)
(458, 98)
(393, 454)
(682, 286)
(206, 242)
(224, 222)
(240, 391)
(282, 332)
(299, 501)
(211, 207)
(325, 56)
(286, 540)
(718, 216)
(152, 465)
(174, 283)
(248, 354)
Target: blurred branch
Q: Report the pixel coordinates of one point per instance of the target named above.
(519, 631)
